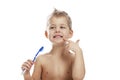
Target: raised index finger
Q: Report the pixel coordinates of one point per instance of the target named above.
(66, 41)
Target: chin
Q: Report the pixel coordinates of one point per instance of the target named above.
(58, 41)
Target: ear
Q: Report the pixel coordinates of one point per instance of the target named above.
(46, 34)
(70, 33)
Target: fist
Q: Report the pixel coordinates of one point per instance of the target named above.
(27, 65)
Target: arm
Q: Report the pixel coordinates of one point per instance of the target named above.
(78, 68)
(37, 69)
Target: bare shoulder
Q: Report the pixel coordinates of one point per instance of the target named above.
(41, 58)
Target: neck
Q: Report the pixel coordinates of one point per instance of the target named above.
(58, 50)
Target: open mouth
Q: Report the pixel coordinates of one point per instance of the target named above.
(57, 36)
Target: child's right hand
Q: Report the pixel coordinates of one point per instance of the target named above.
(27, 65)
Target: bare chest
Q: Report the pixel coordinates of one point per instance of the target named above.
(57, 69)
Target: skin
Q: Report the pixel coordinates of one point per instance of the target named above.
(59, 63)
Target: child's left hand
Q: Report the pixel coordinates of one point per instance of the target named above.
(72, 47)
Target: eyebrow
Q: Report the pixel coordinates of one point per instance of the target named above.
(64, 24)
(52, 24)
(60, 24)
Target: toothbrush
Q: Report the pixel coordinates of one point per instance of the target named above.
(37, 53)
(41, 49)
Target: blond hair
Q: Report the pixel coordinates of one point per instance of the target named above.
(58, 13)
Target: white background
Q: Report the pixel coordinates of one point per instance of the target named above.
(95, 22)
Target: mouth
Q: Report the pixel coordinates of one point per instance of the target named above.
(57, 36)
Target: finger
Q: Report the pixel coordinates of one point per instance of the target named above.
(24, 68)
(77, 41)
(27, 65)
(69, 45)
(66, 41)
(30, 61)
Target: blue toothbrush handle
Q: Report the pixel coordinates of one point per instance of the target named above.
(37, 53)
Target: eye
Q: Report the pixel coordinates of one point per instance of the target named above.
(52, 27)
(62, 27)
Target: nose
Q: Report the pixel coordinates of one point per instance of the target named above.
(57, 29)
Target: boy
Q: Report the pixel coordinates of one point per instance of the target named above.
(60, 63)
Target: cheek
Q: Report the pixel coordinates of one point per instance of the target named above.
(66, 35)
(50, 33)
(50, 36)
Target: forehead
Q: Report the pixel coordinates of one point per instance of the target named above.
(58, 20)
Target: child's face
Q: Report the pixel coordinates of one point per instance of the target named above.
(58, 30)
